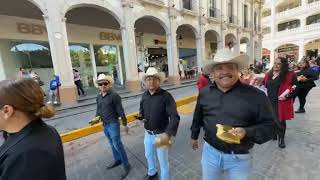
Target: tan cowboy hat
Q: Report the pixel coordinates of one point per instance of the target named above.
(154, 73)
(103, 77)
(226, 55)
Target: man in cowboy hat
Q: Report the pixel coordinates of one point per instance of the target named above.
(109, 108)
(161, 120)
(229, 102)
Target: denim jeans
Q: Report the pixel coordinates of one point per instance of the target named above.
(216, 164)
(112, 131)
(151, 153)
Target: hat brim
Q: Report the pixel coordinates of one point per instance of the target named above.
(160, 75)
(242, 61)
(110, 80)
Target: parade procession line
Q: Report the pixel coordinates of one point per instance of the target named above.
(88, 130)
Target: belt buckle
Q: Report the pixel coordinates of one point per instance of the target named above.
(151, 132)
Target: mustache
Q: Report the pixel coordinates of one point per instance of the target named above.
(225, 75)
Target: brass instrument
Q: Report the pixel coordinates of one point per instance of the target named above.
(161, 142)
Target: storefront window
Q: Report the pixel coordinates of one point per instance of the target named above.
(81, 61)
(35, 57)
(106, 57)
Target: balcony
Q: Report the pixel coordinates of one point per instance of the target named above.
(311, 27)
(289, 31)
(153, 2)
(231, 19)
(289, 12)
(214, 15)
(312, 5)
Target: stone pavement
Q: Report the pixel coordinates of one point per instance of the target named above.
(86, 158)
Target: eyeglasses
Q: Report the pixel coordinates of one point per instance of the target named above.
(101, 84)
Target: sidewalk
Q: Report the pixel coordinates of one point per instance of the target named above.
(86, 158)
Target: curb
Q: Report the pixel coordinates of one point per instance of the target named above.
(88, 130)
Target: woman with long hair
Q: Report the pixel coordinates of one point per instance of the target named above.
(306, 77)
(33, 149)
(279, 83)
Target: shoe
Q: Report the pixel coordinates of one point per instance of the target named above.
(275, 137)
(114, 164)
(300, 111)
(148, 177)
(125, 172)
(282, 144)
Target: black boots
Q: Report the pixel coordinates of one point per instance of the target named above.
(300, 110)
(281, 143)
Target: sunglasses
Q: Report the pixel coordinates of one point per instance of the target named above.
(101, 84)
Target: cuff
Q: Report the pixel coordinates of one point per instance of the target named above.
(250, 132)
(194, 135)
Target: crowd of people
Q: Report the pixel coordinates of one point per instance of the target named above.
(33, 149)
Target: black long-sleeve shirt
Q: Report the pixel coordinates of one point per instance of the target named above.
(311, 76)
(160, 112)
(109, 108)
(242, 106)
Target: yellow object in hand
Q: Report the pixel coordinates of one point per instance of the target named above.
(94, 120)
(224, 135)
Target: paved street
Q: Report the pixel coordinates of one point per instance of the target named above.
(130, 105)
(86, 158)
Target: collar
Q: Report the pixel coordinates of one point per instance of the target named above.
(214, 85)
(109, 92)
(158, 91)
(19, 136)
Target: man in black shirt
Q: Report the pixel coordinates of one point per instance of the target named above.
(109, 108)
(229, 102)
(161, 120)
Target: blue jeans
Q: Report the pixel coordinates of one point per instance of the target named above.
(112, 131)
(215, 163)
(151, 153)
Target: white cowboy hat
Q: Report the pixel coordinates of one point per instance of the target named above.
(154, 73)
(225, 55)
(103, 77)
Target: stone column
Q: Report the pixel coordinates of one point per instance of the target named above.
(201, 45)
(301, 50)
(93, 62)
(172, 49)
(58, 40)
(129, 49)
(274, 28)
(272, 58)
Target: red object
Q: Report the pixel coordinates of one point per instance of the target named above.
(285, 108)
(202, 82)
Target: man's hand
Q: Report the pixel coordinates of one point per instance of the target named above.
(241, 132)
(126, 129)
(194, 144)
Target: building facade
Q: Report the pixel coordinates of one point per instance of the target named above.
(121, 37)
(291, 28)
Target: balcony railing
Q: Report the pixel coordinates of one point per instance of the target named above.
(284, 13)
(290, 31)
(313, 26)
(313, 4)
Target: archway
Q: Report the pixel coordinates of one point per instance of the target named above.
(245, 45)
(95, 44)
(312, 48)
(289, 51)
(187, 51)
(230, 41)
(24, 43)
(211, 47)
(151, 44)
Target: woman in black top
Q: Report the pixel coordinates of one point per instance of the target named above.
(305, 77)
(32, 150)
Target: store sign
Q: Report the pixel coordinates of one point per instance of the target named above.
(109, 36)
(159, 42)
(34, 29)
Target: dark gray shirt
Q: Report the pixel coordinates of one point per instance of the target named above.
(160, 112)
(109, 108)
